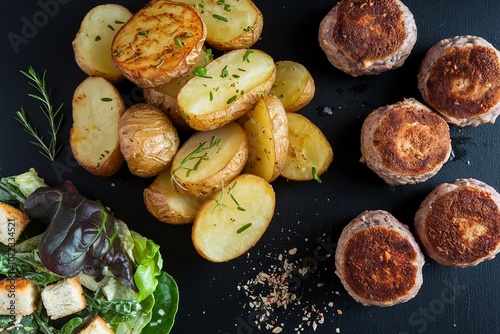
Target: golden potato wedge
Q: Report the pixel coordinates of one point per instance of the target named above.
(168, 105)
(97, 108)
(231, 24)
(294, 85)
(92, 43)
(167, 204)
(209, 159)
(232, 221)
(148, 139)
(160, 42)
(309, 152)
(226, 88)
(267, 130)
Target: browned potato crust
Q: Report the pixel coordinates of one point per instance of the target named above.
(160, 42)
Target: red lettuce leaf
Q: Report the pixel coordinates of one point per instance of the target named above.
(81, 235)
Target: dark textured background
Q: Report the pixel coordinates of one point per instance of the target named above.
(450, 301)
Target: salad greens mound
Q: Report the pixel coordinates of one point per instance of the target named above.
(72, 236)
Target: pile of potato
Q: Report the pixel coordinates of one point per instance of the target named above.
(237, 109)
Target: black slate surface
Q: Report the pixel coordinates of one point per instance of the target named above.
(309, 216)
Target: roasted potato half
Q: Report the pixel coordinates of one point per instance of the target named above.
(231, 24)
(267, 130)
(97, 108)
(309, 152)
(232, 222)
(210, 159)
(169, 205)
(92, 43)
(148, 140)
(160, 42)
(294, 85)
(226, 88)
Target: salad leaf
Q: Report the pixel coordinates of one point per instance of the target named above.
(24, 325)
(15, 189)
(149, 263)
(114, 311)
(27, 265)
(81, 235)
(165, 308)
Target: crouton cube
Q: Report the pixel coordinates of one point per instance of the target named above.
(96, 326)
(63, 298)
(12, 223)
(18, 296)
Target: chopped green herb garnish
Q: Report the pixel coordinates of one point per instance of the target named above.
(232, 99)
(208, 56)
(143, 32)
(199, 154)
(211, 96)
(219, 17)
(315, 175)
(98, 38)
(106, 99)
(247, 29)
(247, 55)
(243, 228)
(201, 72)
(219, 202)
(119, 22)
(178, 42)
(111, 27)
(236, 76)
(224, 72)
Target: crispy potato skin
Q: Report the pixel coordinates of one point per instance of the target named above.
(169, 106)
(148, 140)
(162, 41)
(167, 204)
(94, 133)
(92, 43)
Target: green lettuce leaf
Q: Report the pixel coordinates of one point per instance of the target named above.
(166, 306)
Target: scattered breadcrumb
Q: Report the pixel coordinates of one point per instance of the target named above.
(271, 291)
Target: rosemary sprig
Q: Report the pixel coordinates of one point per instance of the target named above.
(199, 154)
(55, 117)
(220, 201)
